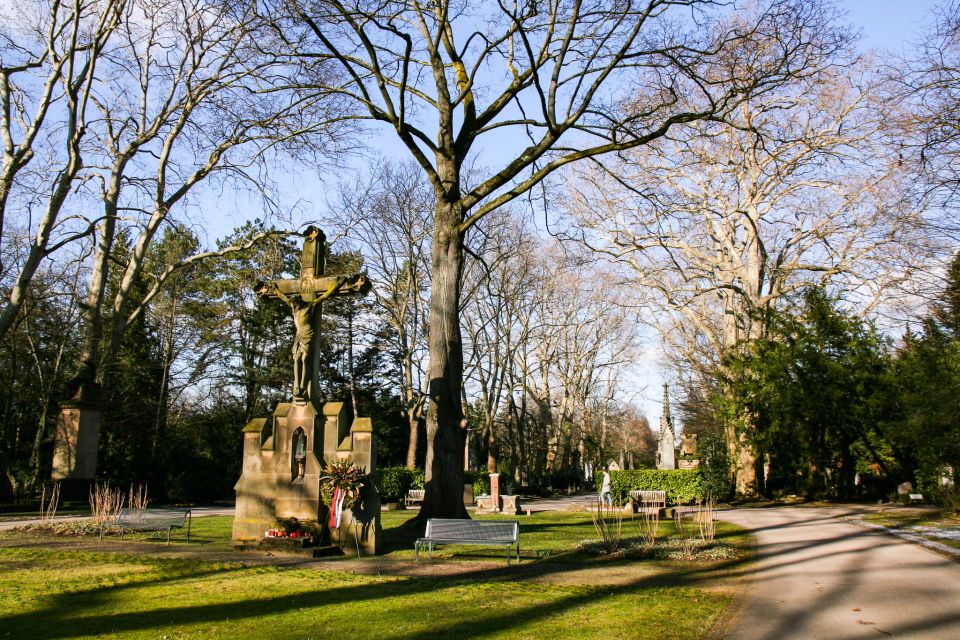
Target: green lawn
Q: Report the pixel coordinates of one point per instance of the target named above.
(907, 520)
(57, 593)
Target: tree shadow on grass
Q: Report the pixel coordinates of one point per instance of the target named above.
(73, 614)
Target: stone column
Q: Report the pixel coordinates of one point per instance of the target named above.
(495, 492)
(77, 436)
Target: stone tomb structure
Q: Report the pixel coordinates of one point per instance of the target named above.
(666, 445)
(284, 455)
(688, 452)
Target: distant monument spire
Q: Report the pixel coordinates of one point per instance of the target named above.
(666, 449)
(666, 422)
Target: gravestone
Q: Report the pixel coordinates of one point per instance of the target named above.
(284, 455)
(666, 446)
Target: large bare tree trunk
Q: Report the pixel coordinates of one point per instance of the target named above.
(443, 472)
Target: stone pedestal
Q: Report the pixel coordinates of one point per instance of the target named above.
(511, 505)
(276, 482)
(77, 437)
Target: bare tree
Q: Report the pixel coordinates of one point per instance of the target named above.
(732, 217)
(392, 209)
(48, 68)
(442, 83)
(924, 104)
(184, 100)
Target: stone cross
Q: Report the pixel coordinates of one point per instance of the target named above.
(304, 296)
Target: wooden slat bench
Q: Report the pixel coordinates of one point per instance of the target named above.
(648, 501)
(152, 520)
(478, 532)
(413, 496)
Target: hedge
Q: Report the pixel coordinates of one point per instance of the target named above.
(393, 482)
(681, 485)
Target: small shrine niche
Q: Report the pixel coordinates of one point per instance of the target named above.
(298, 455)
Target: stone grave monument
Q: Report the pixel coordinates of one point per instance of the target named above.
(666, 446)
(688, 452)
(284, 455)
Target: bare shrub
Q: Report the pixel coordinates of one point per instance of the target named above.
(688, 543)
(708, 526)
(649, 521)
(105, 503)
(137, 499)
(609, 526)
(49, 504)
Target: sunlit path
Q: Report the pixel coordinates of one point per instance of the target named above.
(821, 577)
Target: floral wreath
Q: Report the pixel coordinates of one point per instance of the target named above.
(345, 476)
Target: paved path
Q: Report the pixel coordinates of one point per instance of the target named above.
(195, 512)
(821, 577)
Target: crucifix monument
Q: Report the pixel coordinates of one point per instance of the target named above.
(304, 295)
(284, 455)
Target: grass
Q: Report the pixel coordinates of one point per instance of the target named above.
(50, 592)
(906, 520)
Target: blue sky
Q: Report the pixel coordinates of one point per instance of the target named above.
(888, 24)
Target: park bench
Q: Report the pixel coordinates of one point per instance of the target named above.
(649, 501)
(413, 496)
(151, 520)
(477, 532)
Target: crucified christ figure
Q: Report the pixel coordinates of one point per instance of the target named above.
(302, 312)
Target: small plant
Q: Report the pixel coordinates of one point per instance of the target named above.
(48, 506)
(105, 503)
(609, 526)
(649, 521)
(708, 526)
(688, 544)
(138, 498)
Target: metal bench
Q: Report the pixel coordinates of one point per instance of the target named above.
(413, 496)
(151, 520)
(478, 532)
(648, 501)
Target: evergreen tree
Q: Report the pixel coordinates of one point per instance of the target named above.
(928, 374)
(817, 389)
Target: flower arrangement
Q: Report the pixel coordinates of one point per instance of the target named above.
(346, 477)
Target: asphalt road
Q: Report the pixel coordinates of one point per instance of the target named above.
(821, 577)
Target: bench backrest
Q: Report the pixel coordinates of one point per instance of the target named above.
(485, 530)
(659, 497)
(415, 494)
(136, 516)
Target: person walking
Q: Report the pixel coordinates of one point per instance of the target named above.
(605, 488)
